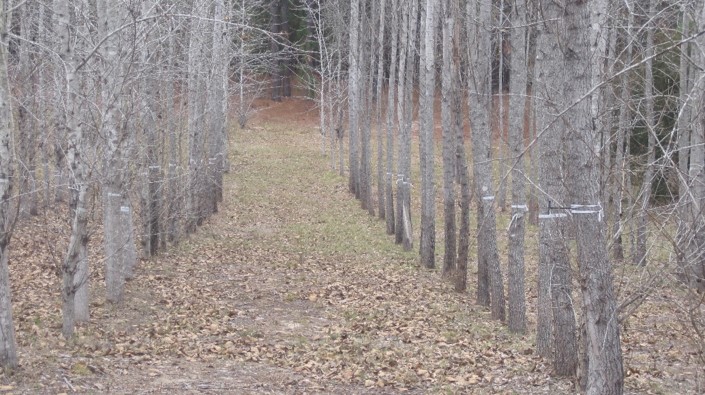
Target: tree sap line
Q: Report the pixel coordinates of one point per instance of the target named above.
(605, 148)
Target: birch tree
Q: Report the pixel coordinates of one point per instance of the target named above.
(8, 351)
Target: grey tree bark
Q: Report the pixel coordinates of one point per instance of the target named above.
(427, 127)
(517, 111)
(27, 108)
(74, 272)
(583, 32)
(623, 136)
(490, 288)
(650, 121)
(695, 264)
(354, 99)
(112, 14)
(8, 345)
(381, 179)
(449, 141)
(390, 127)
(196, 109)
(556, 330)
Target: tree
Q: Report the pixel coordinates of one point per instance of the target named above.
(455, 168)
(427, 127)
(8, 352)
(403, 227)
(381, 180)
(490, 288)
(517, 108)
(556, 329)
(649, 121)
(354, 98)
(449, 140)
(391, 106)
(118, 245)
(196, 122)
(583, 32)
(74, 268)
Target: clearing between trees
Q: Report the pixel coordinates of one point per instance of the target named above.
(291, 288)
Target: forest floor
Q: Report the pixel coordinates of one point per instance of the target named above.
(291, 288)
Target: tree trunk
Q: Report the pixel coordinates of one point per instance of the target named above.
(400, 227)
(641, 232)
(75, 256)
(517, 108)
(427, 127)
(449, 141)
(354, 98)
(490, 288)
(582, 42)
(196, 109)
(391, 106)
(696, 249)
(381, 180)
(623, 136)
(683, 125)
(110, 16)
(8, 346)
(556, 318)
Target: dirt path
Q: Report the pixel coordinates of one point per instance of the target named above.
(290, 289)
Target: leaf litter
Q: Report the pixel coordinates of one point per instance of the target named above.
(290, 288)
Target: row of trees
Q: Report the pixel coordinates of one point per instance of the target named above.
(124, 105)
(605, 99)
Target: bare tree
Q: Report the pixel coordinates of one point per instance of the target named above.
(490, 288)
(556, 329)
(111, 15)
(381, 180)
(650, 122)
(517, 108)
(427, 126)
(391, 107)
(586, 46)
(8, 352)
(74, 268)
